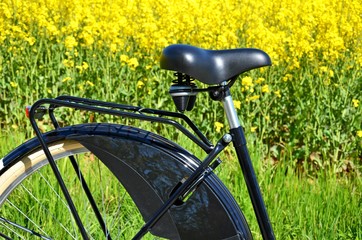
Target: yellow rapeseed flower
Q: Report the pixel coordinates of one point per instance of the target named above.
(133, 63)
(252, 98)
(140, 84)
(218, 126)
(331, 73)
(70, 42)
(82, 67)
(66, 79)
(90, 83)
(30, 40)
(335, 26)
(287, 77)
(113, 48)
(237, 104)
(259, 80)
(247, 82)
(68, 63)
(253, 129)
(359, 133)
(14, 84)
(265, 88)
(355, 102)
(278, 93)
(123, 58)
(85, 65)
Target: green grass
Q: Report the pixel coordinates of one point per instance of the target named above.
(323, 206)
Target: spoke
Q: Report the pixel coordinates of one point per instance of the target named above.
(63, 202)
(22, 213)
(48, 211)
(119, 205)
(32, 232)
(103, 202)
(10, 229)
(53, 190)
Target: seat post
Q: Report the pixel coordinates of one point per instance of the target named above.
(246, 165)
(230, 110)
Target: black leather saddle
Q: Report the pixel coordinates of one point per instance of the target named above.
(212, 66)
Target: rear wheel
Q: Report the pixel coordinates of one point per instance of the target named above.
(130, 173)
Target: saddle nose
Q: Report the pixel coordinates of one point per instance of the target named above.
(212, 66)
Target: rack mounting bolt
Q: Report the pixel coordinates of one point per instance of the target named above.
(227, 138)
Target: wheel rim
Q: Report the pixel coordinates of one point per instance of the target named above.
(23, 202)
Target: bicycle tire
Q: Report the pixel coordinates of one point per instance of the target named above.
(147, 165)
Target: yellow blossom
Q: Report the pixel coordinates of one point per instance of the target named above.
(31, 40)
(124, 58)
(113, 48)
(140, 84)
(331, 73)
(87, 39)
(252, 98)
(81, 86)
(66, 79)
(278, 93)
(355, 102)
(253, 129)
(68, 63)
(218, 126)
(83, 67)
(359, 133)
(287, 77)
(265, 89)
(259, 80)
(237, 104)
(133, 63)
(247, 82)
(13, 84)
(324, 69)
(90, 83)
(70, 42)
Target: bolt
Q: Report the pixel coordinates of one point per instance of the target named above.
(227, 138)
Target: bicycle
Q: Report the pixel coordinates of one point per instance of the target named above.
(174, 195)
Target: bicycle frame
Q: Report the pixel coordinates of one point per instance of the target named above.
(239, 142)
(236, 136)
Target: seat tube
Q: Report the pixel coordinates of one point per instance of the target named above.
(239, 142)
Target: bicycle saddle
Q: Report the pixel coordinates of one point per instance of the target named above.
(212, 66)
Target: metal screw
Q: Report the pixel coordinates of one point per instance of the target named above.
(227, 138)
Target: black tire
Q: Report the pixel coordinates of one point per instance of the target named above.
(144, 166)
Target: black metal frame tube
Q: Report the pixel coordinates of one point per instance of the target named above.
(84, 184)
(56, 172)
(252, 183)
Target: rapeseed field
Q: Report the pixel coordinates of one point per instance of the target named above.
(308, 105)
